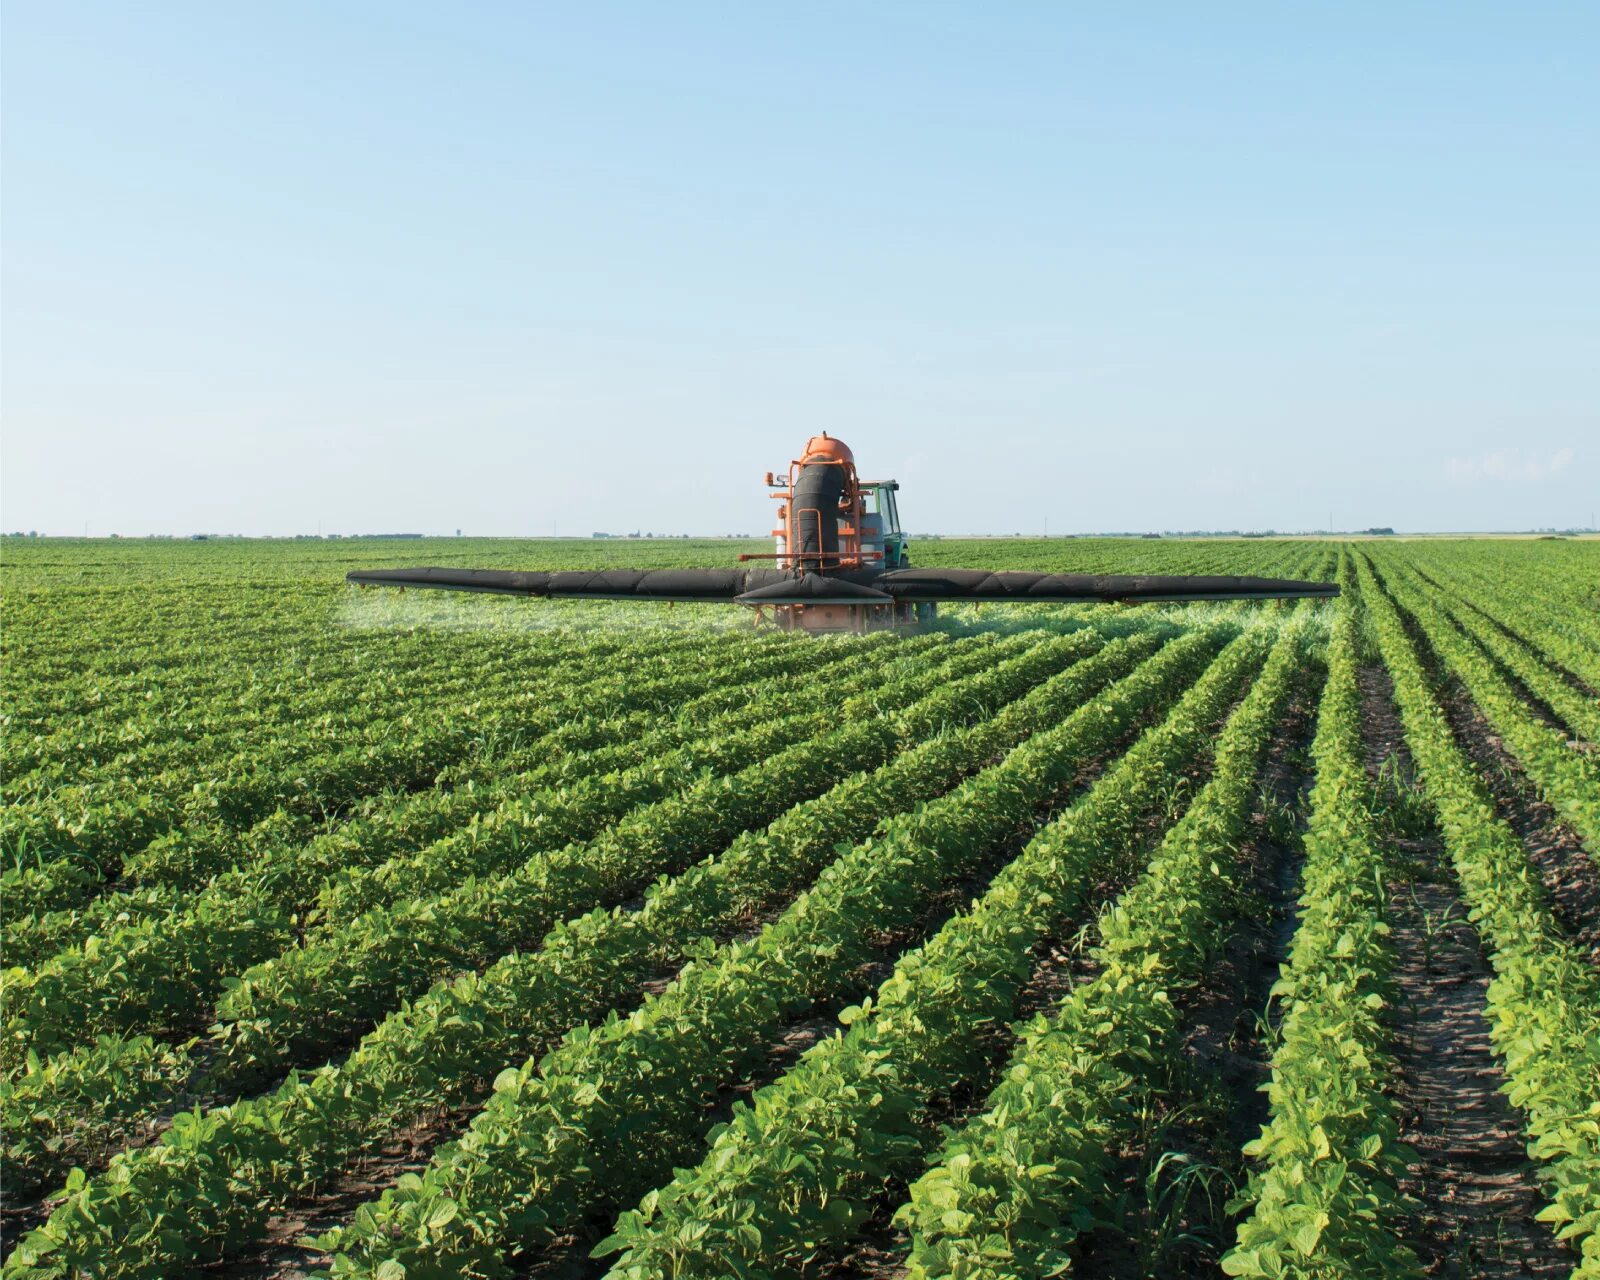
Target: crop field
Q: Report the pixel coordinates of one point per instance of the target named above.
(415, 935)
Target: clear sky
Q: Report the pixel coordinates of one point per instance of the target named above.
(521, 268)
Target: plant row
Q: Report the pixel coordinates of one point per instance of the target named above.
(1545, 626)
(161, 742)
(70, 727)
(1580, 711)
(1009, 1190)
(291, 858)
(180, 840)
(44, 1110)
(298, 1006)
(109, 818)
(501, 837)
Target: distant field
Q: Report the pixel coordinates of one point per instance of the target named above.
(432, 935)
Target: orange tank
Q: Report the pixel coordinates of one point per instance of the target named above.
(826, 448)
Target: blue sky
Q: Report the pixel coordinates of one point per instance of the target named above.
(517, 268)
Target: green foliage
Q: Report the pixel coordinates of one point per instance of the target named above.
(160, 974)
(1568, 779)
(255, 818)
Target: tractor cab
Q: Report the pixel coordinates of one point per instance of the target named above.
(880, 526)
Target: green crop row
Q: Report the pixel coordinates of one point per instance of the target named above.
(160, 744)
(182, 839)
(1009, 1190)
(500, 839)
(1544, 1000)
(292, 858)
(535, 728)
(109, 821)
(294, 862)
(536, 1159)
(1545, 626)
(84, 728)
(113, 817)
(224, 1170)
(298, 1005)
(163, 661)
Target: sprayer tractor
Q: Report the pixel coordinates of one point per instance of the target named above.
(841, 562)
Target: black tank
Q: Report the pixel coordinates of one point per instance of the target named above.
(815, 515)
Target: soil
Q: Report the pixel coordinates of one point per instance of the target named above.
(20, 1215)
(17, 1220)
(1475, 1189)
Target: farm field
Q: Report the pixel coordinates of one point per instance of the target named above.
(421, 935)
